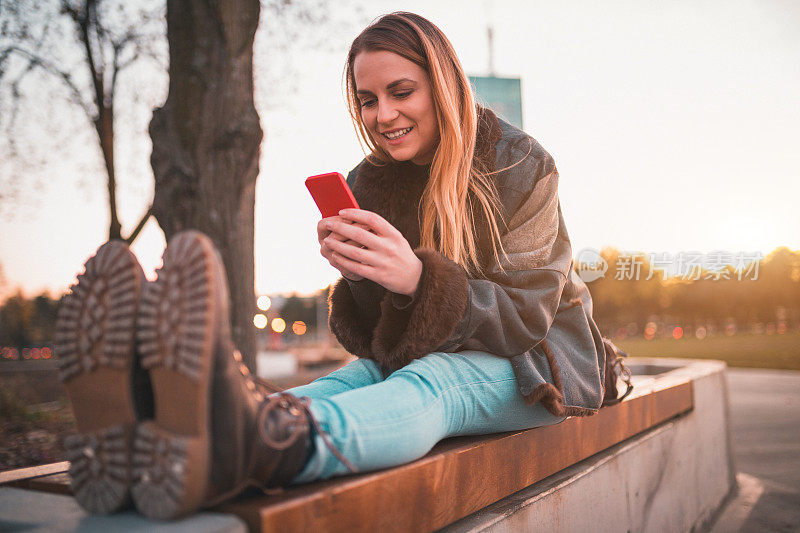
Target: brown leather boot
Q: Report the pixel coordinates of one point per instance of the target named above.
(98, 364)
(214, 433)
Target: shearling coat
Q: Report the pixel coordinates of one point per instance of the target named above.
(538, 313)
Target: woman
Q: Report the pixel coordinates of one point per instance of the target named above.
(458, 296)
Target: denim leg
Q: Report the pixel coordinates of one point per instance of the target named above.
(401, 418)
(355, 374)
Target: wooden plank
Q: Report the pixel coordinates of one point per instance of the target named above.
(33, 471)
(54, 483)
(460, 475)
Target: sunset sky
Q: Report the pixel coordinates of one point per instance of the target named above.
(674, 126)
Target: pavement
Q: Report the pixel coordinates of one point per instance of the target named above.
(765, 432)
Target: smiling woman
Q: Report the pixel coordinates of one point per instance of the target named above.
(457, 295)
(410, 100)
(458, 292)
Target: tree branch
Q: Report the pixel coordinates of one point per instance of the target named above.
(37, 61)
(82, 20)
(140, 225)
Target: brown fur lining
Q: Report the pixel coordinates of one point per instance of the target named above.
(403, 335)
(551, 395)
(344, 322)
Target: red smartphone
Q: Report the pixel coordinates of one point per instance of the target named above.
(331, 193)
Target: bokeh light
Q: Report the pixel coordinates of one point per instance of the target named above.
(264, 303)
(650, 331)
(278, 325)
(299, 327)
(260, 321)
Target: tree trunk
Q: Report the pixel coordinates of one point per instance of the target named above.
(206, 142)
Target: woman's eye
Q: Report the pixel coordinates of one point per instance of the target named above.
(403, 94)
(368, 103)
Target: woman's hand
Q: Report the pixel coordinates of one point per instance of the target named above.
(326, 251)
(372, 248)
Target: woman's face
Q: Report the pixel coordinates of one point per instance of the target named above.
(397, 105)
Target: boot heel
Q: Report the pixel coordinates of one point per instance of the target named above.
(100, 468)
(176, 336)
(166, 485)
(94, 344)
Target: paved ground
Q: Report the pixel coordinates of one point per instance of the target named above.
(765, 430)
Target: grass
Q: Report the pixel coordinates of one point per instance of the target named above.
(746, 351)
(12, 409)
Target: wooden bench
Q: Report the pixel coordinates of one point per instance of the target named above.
(460, 476)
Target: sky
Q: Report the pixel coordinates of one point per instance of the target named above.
(674, 127)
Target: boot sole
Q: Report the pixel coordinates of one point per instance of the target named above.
(94, 342)
(176, 339)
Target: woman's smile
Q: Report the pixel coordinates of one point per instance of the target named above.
(397, 136)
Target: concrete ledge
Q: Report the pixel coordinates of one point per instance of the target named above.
(671, 478)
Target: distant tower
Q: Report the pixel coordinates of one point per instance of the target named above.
(490, 35)
(501, 95)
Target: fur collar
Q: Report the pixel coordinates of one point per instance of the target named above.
(394, 190)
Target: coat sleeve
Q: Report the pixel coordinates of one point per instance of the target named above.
(508, 312)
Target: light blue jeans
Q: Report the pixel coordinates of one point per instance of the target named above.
(377, 423)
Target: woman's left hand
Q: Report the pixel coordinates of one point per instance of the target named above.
(382, 254)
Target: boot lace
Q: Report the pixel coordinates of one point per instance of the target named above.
(278, 398)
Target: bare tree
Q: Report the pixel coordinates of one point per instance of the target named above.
(207, 135)
(85, 45)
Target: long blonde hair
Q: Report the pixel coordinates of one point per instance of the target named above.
(456, 175)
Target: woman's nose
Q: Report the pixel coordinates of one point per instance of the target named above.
(386, 112)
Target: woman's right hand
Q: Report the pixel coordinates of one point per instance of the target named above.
(325, 250)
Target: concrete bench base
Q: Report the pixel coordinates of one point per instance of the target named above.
(671, 478)
(658, 461)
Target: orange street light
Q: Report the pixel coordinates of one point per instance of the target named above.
(299, 327)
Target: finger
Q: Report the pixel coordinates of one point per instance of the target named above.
(341, 238)
(373, 220)
(346, 273)
(338, 236)
(355, 233)
(322, 225)
(354, 252)
(326, 251)
(353, 266)
(359, 225)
